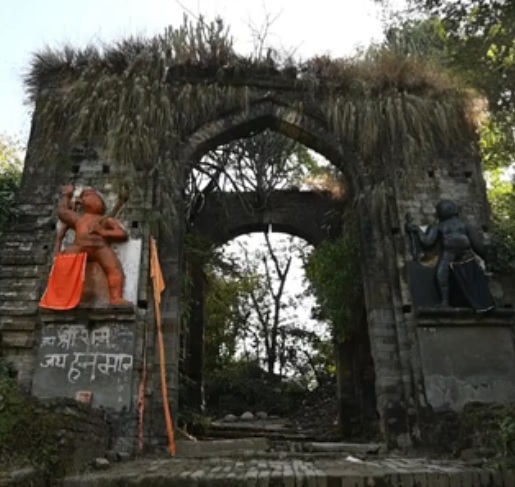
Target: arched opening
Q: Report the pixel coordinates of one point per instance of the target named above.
(264, 350)
(224, 205)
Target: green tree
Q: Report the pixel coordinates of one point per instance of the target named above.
(477, 40)
(10, 175)
(228, 313)
(333, 273)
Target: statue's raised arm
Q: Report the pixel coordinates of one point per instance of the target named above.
(94, 232)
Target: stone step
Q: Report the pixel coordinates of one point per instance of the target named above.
(279, 433)
(352, 448)
(200, 449)
(271, 435)
(328, 448)
(291, 472)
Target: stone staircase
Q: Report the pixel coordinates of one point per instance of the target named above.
(274, 430)
(273, 453)
(285, 471)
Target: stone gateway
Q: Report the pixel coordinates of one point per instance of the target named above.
(144, 114)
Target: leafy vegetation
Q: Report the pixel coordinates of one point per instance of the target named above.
(252, 314)
(482, 33)
(228, 313)
(502, 201)
(10, 175)
(333, 271)
(490, 429)
(244, 386)
(27, 431)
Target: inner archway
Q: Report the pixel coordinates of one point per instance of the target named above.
(263, 346)
(341, 368)
(246, 186)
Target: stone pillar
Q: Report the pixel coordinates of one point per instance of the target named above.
(195, 359)
(381, 303)
(170, 316)
(170, 242)
(345, 389)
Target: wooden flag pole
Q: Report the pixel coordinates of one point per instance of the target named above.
(158, 289)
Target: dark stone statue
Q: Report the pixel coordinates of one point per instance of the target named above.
(458, 244)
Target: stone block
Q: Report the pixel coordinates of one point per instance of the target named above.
(17, 339)
(353, 448)
(18, 323)
(21, 272)
(18, 308)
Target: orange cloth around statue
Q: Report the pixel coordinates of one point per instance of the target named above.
(66, 282)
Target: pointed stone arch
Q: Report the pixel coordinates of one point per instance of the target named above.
(301, 124)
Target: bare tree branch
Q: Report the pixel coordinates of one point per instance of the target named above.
(188, 11)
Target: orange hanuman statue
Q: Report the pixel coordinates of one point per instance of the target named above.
(93, 233)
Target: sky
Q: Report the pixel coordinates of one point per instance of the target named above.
(335, 27)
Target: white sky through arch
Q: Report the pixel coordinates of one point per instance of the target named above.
(335, 27)
(297, 313)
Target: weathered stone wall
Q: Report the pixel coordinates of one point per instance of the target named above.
(393, 325)
(58, 437)
(26, 261)
(170, 243)
(458, 360)
(467, 358)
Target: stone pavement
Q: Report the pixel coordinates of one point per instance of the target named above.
(300, 471)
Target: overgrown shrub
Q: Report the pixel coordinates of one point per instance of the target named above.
(241, 387)
(10, 176)
(486, 429)
(27, 432)
(491, 429)
(334, 275)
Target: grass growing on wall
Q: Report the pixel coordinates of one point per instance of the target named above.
(139, 99)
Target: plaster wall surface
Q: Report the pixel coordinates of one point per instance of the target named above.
(465, 364)
(81, 357)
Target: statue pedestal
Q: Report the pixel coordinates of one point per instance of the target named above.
(466, 357)
(88, 355)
